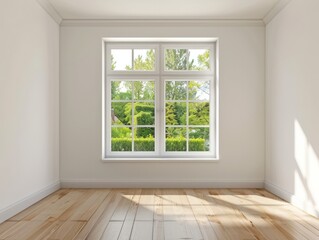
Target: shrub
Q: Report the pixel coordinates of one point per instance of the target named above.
(144, 144)
(121, 144)
(197, 144)
(176, 144)
(148, 144)
(140, 107)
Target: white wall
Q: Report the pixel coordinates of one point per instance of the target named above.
(29, 111)
(242, 52)
(292, 162)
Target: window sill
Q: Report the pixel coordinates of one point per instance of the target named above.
(159, 160)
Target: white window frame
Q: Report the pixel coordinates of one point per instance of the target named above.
(160, 75)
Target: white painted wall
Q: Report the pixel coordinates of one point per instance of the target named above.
(292, 155)
(29, 104)
(242, 53)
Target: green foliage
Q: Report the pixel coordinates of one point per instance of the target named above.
(144, 118)
(141, 64)
(119, 111)
(139, 109)
(121, 144)
(197, 144)
(113, 62)
(144, 90)
(199, 113)
(176, 144)
(121, 132)
(178, 59)
(176, 90)
(148, 144)
(144, 144)
(170, 114)
(203, 61)
(144, 107)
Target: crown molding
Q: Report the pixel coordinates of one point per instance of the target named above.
(160, 23)
(275, 11)
(46, 5)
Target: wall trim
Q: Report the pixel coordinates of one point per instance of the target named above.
(159, 23)
(296, 201)
(46, 5)
(80, 183)
(26, 202)
(275, 11)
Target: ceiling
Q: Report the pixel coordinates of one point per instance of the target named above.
(163, 9)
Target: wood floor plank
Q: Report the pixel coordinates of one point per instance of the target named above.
(4, 227)
(95, 217)
(123, 206)
(112, 231)
(142, 230)
(35, 209)
(101, 224)
(68, 230)
(145, 211)
(200, 213)
(161, 214)
(158, 228)
(127, 227)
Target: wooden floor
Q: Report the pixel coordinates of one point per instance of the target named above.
(146, 214)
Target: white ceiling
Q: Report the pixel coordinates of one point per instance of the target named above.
(163, 9)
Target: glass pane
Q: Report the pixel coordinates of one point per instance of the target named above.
(176, 59)
(121, 90)
(187, 59)
(121, 59)
(175, 113)
(176, 90)
(198, 139)
(144, 59)
(121, 139)
(144, 90)
(144, 113)
(144, 139)
(121, 113)
(198, 90)
(198, 113)
(175, 139)
(199, 59)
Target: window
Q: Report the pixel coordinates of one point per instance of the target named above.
(160, 101)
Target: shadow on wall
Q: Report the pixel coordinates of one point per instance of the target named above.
(306, 175)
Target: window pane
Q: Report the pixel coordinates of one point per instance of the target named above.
(175, 113)
(121, 59)
(176, 90)
(187, 59)
(144, 59)
(121, 113)
(121, 90)
(198, 139)
(144, 113)
(176, 59)
(198, 113)
(175, 139)
(144, 139)
(198, 90)
(144, 90)
(121, 139)
(199, 59)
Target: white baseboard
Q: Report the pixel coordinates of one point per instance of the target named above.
(74, 183)
(19, 206)
(298, 202)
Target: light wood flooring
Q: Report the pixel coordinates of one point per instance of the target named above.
(170, 214)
